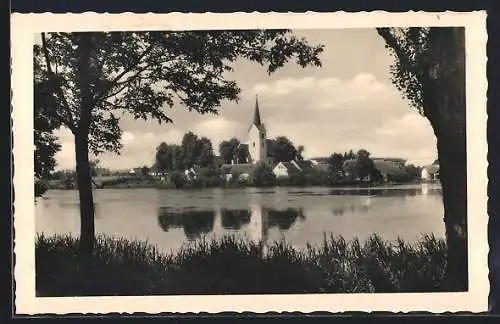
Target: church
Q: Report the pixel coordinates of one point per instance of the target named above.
(257, 148)
(257, 145)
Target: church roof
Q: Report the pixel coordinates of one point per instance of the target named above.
(256, 118)
(256, 115)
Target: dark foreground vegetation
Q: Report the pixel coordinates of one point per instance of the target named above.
(236, 266)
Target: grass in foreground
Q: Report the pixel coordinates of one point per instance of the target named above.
(234, 265)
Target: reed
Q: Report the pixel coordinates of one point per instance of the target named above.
(232, 264)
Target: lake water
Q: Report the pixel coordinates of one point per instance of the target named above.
(169, 218)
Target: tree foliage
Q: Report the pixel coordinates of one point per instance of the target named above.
(336, 164)
(364, 164)
(46, 145)
(229, 150)
(168, 157)
(349, 155)
(94, 167)
(409, 48)
(193, 151)
(282, 149)
(263, 175)
(300, 152)
(196, 151)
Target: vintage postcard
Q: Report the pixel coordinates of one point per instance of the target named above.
(171, 163)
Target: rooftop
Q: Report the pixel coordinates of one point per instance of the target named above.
(290, 167)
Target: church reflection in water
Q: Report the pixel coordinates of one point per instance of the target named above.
(255, 221)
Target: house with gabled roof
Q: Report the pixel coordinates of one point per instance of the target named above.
(287, 169)
(430, 172)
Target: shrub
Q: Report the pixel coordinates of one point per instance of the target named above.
(298, 179)
(263, 176)
(115, 181)
(177, 179)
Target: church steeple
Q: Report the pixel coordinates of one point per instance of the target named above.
(257, 139)
(256, 115)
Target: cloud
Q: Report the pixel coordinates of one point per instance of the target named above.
(218, 129)
(138, 149)
(128, 138)
(361, 91)
(66, 156)
(411, 123)
(410, 135)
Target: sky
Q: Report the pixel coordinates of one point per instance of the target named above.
(348, 103)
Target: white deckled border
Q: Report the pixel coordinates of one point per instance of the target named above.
(24, 26)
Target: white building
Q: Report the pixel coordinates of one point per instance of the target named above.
(430, 172)
(286, 169)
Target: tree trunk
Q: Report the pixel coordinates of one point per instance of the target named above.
(453, 176)
(87, 227)
(84, 179)
(446, 109)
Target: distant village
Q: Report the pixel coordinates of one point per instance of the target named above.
(257, 161)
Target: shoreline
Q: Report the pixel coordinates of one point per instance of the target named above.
(166, 186)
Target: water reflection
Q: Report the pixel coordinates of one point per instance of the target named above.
(75, 207)
(259, 224)
(256, 220)
(71, 205)
(193, 222)
(235, 219)
(353, 209)
(284, 219)
(300, 215)
(387, 192)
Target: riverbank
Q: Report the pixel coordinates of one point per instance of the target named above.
(233, 265)
(136, 183)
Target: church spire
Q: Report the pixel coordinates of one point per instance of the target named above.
(256, 116)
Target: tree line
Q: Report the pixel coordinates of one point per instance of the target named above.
(175, 160)
(198, 151)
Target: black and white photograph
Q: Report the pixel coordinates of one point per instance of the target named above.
(272, 159)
